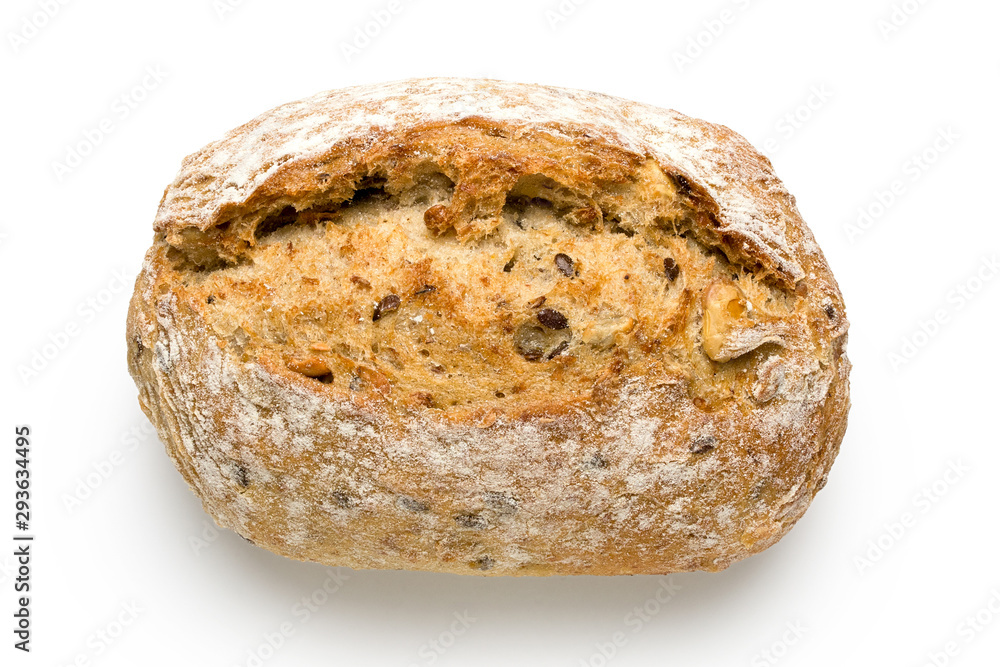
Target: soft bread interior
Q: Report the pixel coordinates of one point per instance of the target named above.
(385, 294)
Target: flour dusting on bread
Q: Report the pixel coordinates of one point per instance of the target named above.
(491, 328)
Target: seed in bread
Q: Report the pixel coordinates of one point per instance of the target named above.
(490, 328)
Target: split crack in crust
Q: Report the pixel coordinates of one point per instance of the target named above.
(370, 295)
(363, 333)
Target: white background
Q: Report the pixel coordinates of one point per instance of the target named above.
(859, 586)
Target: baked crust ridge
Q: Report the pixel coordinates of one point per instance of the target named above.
(488, 328)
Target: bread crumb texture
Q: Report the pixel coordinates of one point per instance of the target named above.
(489, 328)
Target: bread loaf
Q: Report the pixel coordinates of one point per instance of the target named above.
(490, 328)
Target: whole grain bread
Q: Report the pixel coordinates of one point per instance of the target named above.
(490, 328)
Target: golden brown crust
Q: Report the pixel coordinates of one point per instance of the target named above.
(695, 396)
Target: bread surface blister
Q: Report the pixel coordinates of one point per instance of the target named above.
(479, 327)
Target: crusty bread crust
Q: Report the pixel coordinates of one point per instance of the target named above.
(691, 431)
